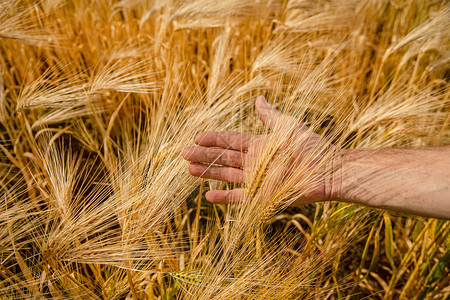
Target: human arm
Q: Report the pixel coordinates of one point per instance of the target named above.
(411, 181)
(415, 181)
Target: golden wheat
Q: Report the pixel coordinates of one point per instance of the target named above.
(98, 99)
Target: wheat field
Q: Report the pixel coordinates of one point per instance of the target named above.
(99, 98)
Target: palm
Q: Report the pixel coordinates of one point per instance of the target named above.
(235, 156)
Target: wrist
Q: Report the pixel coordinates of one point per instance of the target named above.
(343, 175)
(334, 184)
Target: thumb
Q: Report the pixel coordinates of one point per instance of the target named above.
(269, 115)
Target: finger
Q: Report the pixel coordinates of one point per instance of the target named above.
(272, 117)
(225, 197)
(214, 155)
(228, 139)
(227, 174)
(266, 113)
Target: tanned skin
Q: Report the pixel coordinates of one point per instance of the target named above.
(415, 181)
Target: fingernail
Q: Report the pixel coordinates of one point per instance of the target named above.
(185, 152)
(211, 197)
(208, 196)
(260, 100)
(263, 104)
(191, 167)
(198, 137)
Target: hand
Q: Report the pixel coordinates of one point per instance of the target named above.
(292, 158)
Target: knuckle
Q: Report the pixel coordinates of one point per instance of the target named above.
(237, 160)
(217, 139)
(205, 173)
(192, 152)
(206, 155)
(213, 155)
(214, 172)
(241, 159)
(229, 135)
(228, 158)
(219, 156)
(228, 196)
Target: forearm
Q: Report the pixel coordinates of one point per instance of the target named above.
(414, 181)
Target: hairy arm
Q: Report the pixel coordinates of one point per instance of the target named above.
(414, 181)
